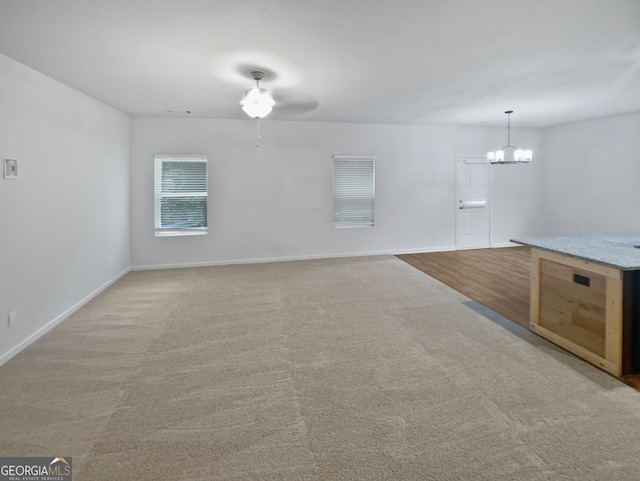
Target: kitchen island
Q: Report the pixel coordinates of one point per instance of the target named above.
(585, 297)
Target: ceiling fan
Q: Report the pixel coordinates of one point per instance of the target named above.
(257, 102)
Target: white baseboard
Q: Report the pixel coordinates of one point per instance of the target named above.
(421, 250)
(505, 244)
(57, 320)
(262, 260)
(497, 245)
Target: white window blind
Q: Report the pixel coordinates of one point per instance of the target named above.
(475, 183)
(353, 191)
(180, 195)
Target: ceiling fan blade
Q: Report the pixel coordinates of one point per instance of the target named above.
(290, 102)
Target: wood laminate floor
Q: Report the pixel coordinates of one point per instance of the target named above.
(498, 279)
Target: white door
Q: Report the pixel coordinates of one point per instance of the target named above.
(473, 223)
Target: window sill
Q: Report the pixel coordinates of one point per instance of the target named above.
(179, 233)
(351, 226)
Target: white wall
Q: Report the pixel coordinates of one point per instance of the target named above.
(67, 225)
(67, 215)
(260, 196)
(591, 176)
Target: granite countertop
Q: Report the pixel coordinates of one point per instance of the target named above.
(616, 250)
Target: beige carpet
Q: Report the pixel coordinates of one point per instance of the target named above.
(345, 369)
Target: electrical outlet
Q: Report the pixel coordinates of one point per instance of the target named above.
(13, 318)
(287, 242)
(111, 260)
(10, 168)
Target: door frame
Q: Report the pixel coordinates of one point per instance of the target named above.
(459, 159)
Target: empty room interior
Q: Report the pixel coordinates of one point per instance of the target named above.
(338, 240)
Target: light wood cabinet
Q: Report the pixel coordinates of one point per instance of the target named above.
(578, 305)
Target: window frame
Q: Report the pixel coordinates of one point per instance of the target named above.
(159, 230)
(355, 158)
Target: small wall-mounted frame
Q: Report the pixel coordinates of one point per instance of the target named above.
(10, 168)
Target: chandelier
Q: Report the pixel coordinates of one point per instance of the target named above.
(509, 154)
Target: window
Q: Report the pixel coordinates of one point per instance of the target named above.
(353, 191)
(475, 183)
(180, 195)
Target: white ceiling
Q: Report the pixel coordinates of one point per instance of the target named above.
(461, 62)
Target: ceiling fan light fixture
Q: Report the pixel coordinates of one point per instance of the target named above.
(509, 154)
(257, 103)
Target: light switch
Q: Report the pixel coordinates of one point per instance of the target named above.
(10, 168)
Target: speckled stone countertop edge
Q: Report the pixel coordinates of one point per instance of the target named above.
(601, 253)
